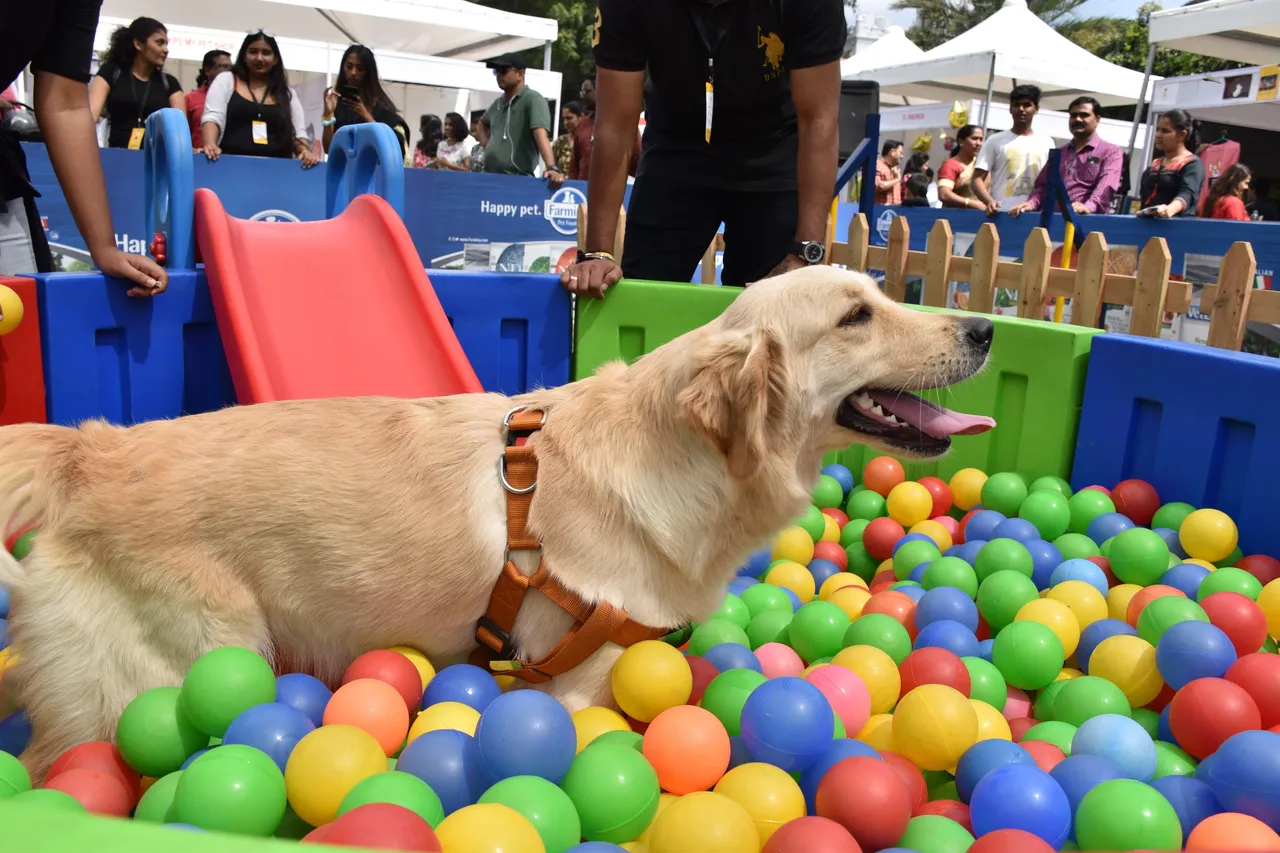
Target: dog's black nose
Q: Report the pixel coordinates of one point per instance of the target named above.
(979, 331)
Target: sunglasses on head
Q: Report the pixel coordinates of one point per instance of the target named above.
(266, 33)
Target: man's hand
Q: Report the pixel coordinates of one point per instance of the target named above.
(787, 264)
(554, 177)
(993, 207)
(1018, 209)
(591, 278)
(149, 278)
(1080, 208)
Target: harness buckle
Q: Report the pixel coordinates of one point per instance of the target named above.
(508, 650)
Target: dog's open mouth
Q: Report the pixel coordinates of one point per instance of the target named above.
(907, 421)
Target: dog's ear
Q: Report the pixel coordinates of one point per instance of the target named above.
(738, 396)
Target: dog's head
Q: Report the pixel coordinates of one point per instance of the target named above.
(819, 359)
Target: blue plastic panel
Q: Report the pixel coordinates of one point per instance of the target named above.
(1202, 425)
(364, 158)
(514, 327)
(127, 360)
(169, 186)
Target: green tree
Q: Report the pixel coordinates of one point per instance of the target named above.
(571, 52)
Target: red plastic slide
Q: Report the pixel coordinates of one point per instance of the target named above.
(338, 308)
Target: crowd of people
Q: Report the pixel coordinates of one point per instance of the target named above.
(1005, 172)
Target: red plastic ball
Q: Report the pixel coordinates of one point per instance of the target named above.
(811, 835)
(703, 671)
(1136, 499)
(932, 665)
(964, 522)
(1258, 674)
(882, 473)
(1240, 618)
(866, 797)
(1264, 568)
(1105, 564)
(1207, 711)
(911, 776)
(1046, 755)
(833, 552)
(390, 668)
(952, 809)
(99, 791)
(1010, 841)
(838, 514)
(1019, 726)
(941, 495)
(1163, 698)
(880, 536)
(984, 630)
(99, 755)
(1102, 489)
(380, 826)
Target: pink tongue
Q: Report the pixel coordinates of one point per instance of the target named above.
(932, 420)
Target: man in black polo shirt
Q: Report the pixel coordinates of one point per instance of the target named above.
(740, 103)
(56, 37)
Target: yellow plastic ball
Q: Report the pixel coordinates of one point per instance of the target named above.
(11, 308)
(1204, 564)
(794, 544)
(966, 487)
(8, 658)
(1208, 534)
(635, 846)
(850, 599)
(878, 732)
(1069, 673)
(590, 723)
(707, 822)
(884, 565)
(650, 677)
(1086, 603)
(325, 765)
(1055, 616)
(877, 670)
(840, 580)
(933, 725)
(795, 577)
(909, 503)
(1269, 601)
(664, 800)
(769, 794)
(419, 661)
(1118, 598)
(1129, 663)
(831, 533)
(935, 531)
(445, 715)
(991, 723)
(488, 828)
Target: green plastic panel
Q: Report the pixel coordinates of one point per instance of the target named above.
(637, 317)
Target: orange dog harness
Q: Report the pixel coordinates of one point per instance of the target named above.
(593, 624)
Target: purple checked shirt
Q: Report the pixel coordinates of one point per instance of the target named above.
(1091, 175)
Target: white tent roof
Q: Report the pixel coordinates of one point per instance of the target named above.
(1205, 96)
(444, 28)
(892, 48)
(1022, 49)
(1243, 30)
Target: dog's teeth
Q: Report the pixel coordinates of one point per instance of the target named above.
(877, 410)
(891, 419)
(864, 401)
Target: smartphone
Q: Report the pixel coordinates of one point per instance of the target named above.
(348, 92)
(1146, 211)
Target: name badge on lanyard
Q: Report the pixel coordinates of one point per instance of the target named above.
(135, 138)
(712, 34)
(711, 99)
(259, 132)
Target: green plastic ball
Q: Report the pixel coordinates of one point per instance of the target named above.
(47, 799)
(1045, 700)
(397, 788)
(222, 684)
(1231, 559)
(931, 833)
(1084, 698)
(1148, 719)
(1269, 646)
(1086, 505)
(1004, 493)
(292, 827)
(1002, 595)
(712, 633)
(1123, 814)
(1161, 614)
(818, 630)
(23, 544)
(1229, 580)
(544, 805)
(913, 554)
(1052, 484)
(852, 532)
(1173, 760)
(1105, 547)
(953, 572)
(936, 779)
(827, 492)
(760, 597)
(884, 632)
(986, 684)
(1074, 546)
(839, 732)
(727, 693)
(771, 626)
(629, 739)
(614, 790)
(1139, 555)
(865, 504)
(1048, 511)
(156, 805)
(734, 610)
(813, 522)
(1171, 515)
(235, 789)
(1003, 555)
(14, 778)
(155, 736)
(1057, 733)
(1028, 655)
(861, 563)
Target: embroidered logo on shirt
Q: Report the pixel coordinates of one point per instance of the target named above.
(595, 34)
(773, 51)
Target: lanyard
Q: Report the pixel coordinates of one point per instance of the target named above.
(711, 41)
(256, 102)
(146, 93)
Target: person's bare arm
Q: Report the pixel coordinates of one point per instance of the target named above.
(63, 110)
(178, 101)
(551, 173)
(98, 91)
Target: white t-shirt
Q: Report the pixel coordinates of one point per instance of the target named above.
(1013, 163)
(456, 152)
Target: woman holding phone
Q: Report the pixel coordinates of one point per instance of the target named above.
(358, 98)
(1171, 185)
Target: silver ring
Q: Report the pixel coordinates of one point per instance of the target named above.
(502, 475)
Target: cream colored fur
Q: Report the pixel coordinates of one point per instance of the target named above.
(314, 531)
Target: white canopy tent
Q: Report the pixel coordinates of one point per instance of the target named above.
(892, 48)
(1205, 96)
(1243, 30)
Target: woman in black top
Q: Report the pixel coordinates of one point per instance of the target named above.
(1171, 184)
(358, 76)
(131, 83)
(252, 111)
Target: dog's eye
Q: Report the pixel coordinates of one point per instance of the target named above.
(857, 316)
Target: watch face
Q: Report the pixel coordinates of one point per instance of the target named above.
(813, 252)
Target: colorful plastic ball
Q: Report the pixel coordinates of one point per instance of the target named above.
(615, 791)
(1186, 578)
(688, 748)
(715, 632)
(811, 833)
(1207, 711)
(1048, 511)
(93, 755)
(818, 630)
(1191, 650)
(934, 666)
(929, 833)
(822, 571)
(776, 660)
(864, 504)
(273, 728)
(1085, 506)
(1191, 798)
(1136, 499)
(868, 798)
(1028, 655)
(991, 723)
(1208, 534)
(1128, 662)
(762, 598)
(841, 474)
(966, 487)
(1244, 774)
(221, 684)
(1172, 760)
(233, 788)
(1077, 775)
(1086, 604)
(1004, 493)
(982, 525)
(1055, 616)
(1269, 602)
(829, 491)
(392, 668)
(325, 765)
(1095, 633)
(1171, 515)
(1002, 555)
(384, 826)
(1161, 614)
(915, 553)
(881, 631)
(1082, 699)
(547, 808)
(839, 581)
(727, 656)
(882, 473)
(787, 722)
(955, 638)
(1045, 557)
(1240, 618)
(704, 821)
(648, 678)
(397, 788)
(464, 683)
(947, 603)
(1138, 556)
(986, 684)
(788, 575)
(99, 791)
(933, 725)
(156, 805)
(445, 715)
(426, 671)
(1232, 832)
(591, 722)
(1018, 795)
(526, 733)
(1107, 526)
(1010, 841)
(878, 672)
(984, 757)
(938, 531)
(1123, 814)
(968, 551)
(950, 572)
(490, 828)
(370, 705)
(769, 795)
(304, 693)
(845, 692)
(838, 750)
(1258, 674)
(1230, 580)
(1054, 732)
(155, 736)
(447, 760)
(1002, 595)
(1121, 741)
(727, 693)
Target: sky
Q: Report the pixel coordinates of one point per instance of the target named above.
(1114, 8)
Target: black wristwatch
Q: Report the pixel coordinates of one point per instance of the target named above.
(810, 252)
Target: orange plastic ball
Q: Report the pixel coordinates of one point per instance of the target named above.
(1145, 596)
(393, 668)
(883, 473)
(372, 706)
(1232, 831)
(892, 603)
(688, 748)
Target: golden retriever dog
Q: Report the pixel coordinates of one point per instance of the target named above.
(313, 531)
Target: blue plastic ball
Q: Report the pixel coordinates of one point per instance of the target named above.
(1080, 569)
(193, 756)
(917, 574)
(596, 847)
(304, 693)
(274, 728)
(738, 752)
(1164, 731)
(1244, 774)
(447, 760)
(526, 733)
(1092, 636)
(788, 723)
(1186, 578)
(822, 570)
(984, 649)
(1190, 650)
(910, 537)
(15, 733)
(1015, 528)
(837, 751)
(757, 564)
(910, 589)
(727, 656)
(1077, 775)
(1045, 557)
(841, 475)
(982, 525)
(463, 683)
(946, 602)
(949, 635)
(968, 551)
(4, 634)
(1174, 542)
(1191, 798)
(740, 583)
(984, 757)
(4, 602)
(185, 827)
(1106, 526)
(1018, 796)
(1122, 741)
